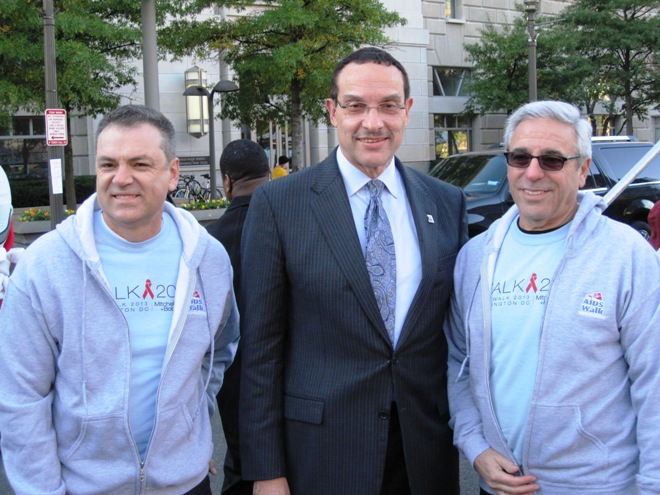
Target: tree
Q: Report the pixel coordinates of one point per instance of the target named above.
(623, 38)
(94, 43)
(593, 52)
(500, 74)
(96, 46)
(283, 55)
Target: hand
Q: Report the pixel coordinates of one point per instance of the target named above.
(500, 475)
(7, 259)
(277, 486)
(212, 469)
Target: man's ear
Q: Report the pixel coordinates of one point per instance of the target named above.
(228, 185)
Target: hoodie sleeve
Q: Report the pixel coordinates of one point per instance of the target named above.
(226, 344)
(28, 361)
(640, 327)
(465, 416)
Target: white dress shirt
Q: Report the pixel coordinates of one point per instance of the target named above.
(406, 242)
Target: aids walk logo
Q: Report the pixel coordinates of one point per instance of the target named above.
(145, 297)
(523, 291)
(197, 306)
(593, 306)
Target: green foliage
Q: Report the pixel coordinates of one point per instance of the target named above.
(499, 76)
(284, 52)
(621, 38)
(94, 43)
(595, 51)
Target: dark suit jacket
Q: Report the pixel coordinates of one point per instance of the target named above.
(228, 229)
(318, 366)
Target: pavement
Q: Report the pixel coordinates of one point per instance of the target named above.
(469, 484)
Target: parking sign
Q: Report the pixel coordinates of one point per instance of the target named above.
(56, 134)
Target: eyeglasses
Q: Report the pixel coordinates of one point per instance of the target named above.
(357, 108)
(553, 163)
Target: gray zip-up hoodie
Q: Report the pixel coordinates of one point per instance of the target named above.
(65, 366)
(593, 423)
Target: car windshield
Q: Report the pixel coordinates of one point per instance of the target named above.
(476, 174)
(623, 159)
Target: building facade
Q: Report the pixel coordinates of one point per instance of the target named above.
(431, 47)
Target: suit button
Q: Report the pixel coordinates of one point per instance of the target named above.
(384, 415)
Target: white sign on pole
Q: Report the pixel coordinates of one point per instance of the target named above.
(56, 175)
(56, 134)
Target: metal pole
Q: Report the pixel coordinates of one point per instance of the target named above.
(632, 174)
(530, 8)
(54, 152)
(150, 55)
(212, 165)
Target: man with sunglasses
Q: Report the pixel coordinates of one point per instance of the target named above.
(553, 369)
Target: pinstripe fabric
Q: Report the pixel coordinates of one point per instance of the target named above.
(318, 366)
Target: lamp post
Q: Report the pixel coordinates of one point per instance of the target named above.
(221, 87)
(530, 8)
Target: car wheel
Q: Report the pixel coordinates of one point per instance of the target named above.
(643, 228)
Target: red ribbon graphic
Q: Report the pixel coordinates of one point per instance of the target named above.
(147, 290)
(532, 283)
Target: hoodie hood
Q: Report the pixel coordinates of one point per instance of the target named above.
(78, 232)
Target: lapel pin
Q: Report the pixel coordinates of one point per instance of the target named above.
(430, 218)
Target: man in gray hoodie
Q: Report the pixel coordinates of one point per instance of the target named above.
(115, 333)
(554, 369)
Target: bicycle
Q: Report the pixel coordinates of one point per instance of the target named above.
(206, 191)
(188, 188)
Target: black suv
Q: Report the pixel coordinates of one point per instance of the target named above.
(482, 175)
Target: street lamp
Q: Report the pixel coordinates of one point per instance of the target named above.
(530, 8)
(221, 87)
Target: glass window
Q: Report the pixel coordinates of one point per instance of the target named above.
(451, 9)
(605, 125)
(453, 134)
(450, 81)
(23, 149)
(24, 156)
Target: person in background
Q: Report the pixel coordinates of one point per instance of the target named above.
(8, 256)
(343, 383)
(116, 331)
(282, 167)
(654, 222)
(554, 369)
(243, 166)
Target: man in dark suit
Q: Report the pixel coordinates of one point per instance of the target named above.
(244, 166)
(344, 386)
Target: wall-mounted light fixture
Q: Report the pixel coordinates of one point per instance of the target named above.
(201, 92)
(197, 110)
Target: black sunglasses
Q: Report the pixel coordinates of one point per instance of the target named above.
(553, 163)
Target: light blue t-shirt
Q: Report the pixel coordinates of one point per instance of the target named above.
(142, 278)
(521, 281)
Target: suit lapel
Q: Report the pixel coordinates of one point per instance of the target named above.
(427, 224)
(333, 213)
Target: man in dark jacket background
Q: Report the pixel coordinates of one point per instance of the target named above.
(243, 166)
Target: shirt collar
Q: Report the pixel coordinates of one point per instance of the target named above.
(355, 179)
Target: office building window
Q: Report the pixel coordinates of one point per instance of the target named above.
(606, 125)
(452, 9)
(23, 149)
(453, 134)
(450, 81)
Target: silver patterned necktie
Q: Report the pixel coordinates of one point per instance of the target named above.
(380, 256)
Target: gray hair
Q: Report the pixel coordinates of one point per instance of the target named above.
(135, 115)
(554, 110)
